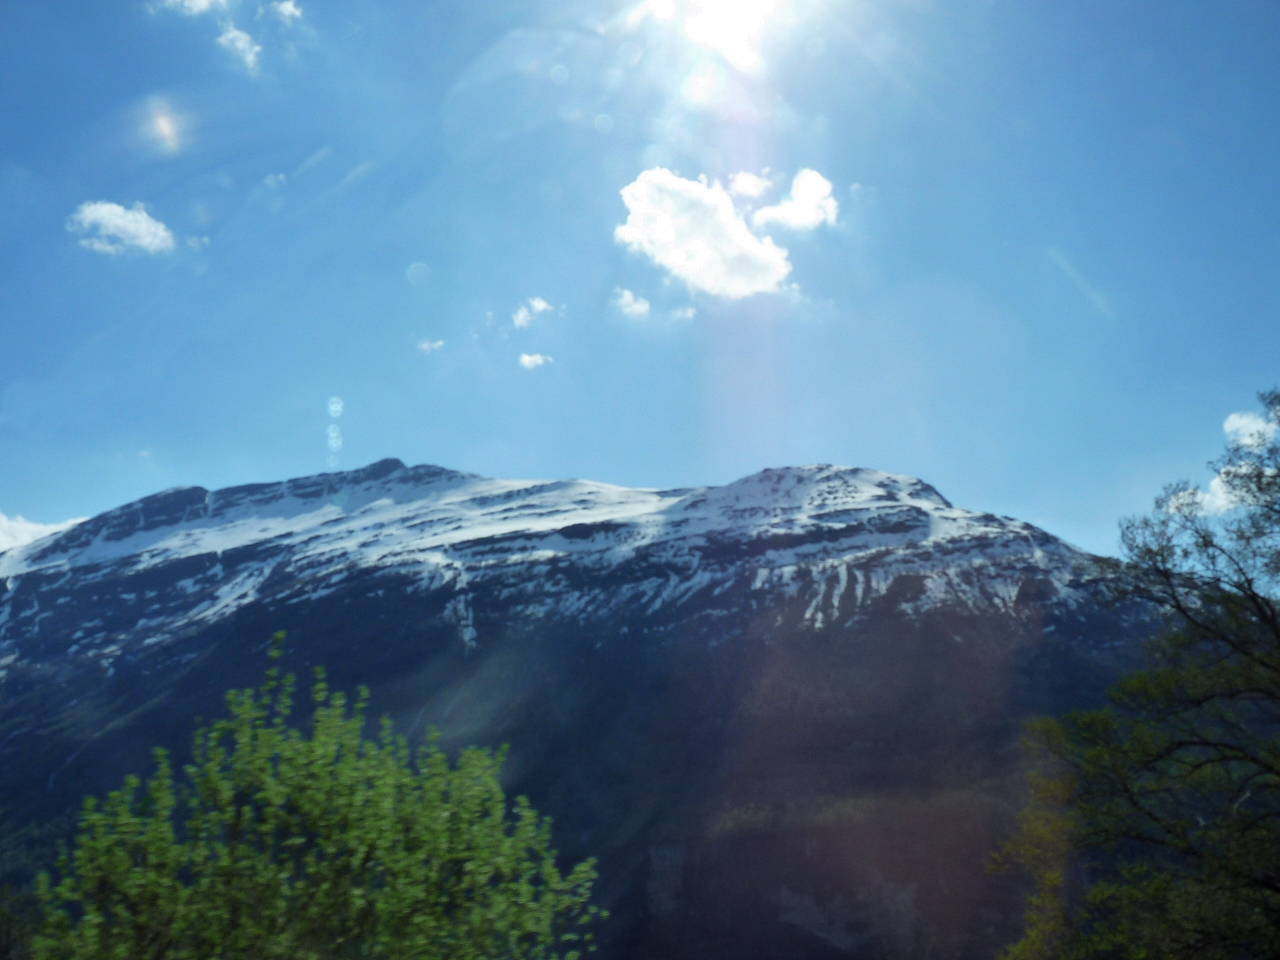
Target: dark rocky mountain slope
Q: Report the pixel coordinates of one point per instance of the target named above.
(783, 713)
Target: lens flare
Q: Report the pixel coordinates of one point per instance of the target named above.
(166, 130)
(164, 126)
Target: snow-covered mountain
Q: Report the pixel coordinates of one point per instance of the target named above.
(683, 675)
(840, 536)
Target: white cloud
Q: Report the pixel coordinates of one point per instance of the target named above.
(16, 532)
(1219, 498)
(287, 10)
(1249, 429)
(1222, 494)
(274, 180)
(528, 310)
(630, 304)
(690, 228)
(748, 185)
(1216, 500)
(241, 44)
(531, 360)
(115, 229)
(810, 204)
(430, 346)
(194, 7)
(684, 313)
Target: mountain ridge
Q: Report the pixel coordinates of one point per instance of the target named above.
(717, 690)
(456, 526)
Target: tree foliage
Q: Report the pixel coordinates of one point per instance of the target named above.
(18, 918)
(316, 844)
(1171, 794)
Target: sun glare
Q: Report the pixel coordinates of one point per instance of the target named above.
(732, 28)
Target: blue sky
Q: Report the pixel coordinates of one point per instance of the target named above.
(1028, 252)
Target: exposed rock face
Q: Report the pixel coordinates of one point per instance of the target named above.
(782, 713)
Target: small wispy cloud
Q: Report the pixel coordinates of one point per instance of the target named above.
(194, 7)
(430, 346)
(274, 180)
(683, 313)
(287, 10)
(531, 361)
(809, 205)
(241, 44)
(1069, 270)
(530, 309)
(232, 39)
(113, 229)
(629, 304)
(314, 159)
(358, 172)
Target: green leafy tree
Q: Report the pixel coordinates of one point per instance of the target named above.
(316, 844)
(1170, 797)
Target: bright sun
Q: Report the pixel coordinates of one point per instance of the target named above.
(732, 28)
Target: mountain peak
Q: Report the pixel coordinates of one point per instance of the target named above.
(833, 481)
